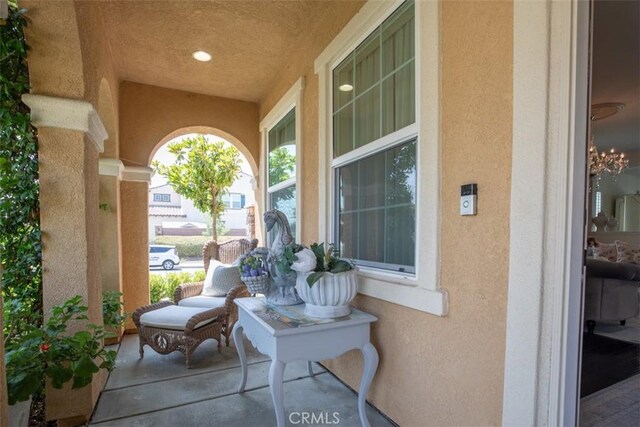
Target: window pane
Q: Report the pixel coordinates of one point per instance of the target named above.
(401, 175)
(343, 83)
(282, 149)
(381, 71)
(343, 131)
(398, 38)
(398, 98)
(371, 237)
(376, 209)
(348, 243)
(285, 201)
(367, 63)
(372, 174)
(348, 187)
(367, 117)
(401, 237)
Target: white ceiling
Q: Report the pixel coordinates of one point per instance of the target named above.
(616, 72)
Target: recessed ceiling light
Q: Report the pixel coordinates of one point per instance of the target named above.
(201, 55)
(346, 88)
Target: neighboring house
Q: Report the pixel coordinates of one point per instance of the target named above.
(172, 214)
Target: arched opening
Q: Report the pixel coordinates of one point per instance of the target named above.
(176, 220)
(208, 130)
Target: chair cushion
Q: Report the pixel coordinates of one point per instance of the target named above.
(173, 317)
(223, 279)
(202, 301)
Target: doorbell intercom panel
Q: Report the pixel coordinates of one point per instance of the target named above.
(468, 199)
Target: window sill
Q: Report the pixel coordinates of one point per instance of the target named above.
(403, 290)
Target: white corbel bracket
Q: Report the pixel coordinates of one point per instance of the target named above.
(64, 113)
(110, 167)
(137, 174)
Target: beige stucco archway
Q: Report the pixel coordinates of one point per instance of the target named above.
(207, 130)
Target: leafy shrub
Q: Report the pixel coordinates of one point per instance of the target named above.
(162, 286)
(112, 313)
(20, 241)
(187, 246)
(49, 351)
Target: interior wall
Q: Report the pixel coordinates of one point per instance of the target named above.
(450, 368)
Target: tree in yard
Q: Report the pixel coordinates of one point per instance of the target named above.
(202, 172)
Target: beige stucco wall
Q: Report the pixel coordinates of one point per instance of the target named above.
(69, 58)
(149, 113)
(444, 371)
(70, 256)
(135, 268)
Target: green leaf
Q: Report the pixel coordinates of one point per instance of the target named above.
(85, 367)
(341, 266)
(314, 277)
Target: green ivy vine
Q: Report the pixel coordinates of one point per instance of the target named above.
(20, 240)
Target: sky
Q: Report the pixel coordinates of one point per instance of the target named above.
(166, 158)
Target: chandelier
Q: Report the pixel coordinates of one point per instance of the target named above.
(611, 163)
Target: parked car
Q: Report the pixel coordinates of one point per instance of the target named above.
(164, 256)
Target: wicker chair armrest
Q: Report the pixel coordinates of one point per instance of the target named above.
(147, 308)
(238, 291)
(215, 313)
(187, 290)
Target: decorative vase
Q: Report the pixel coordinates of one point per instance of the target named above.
(330, 296)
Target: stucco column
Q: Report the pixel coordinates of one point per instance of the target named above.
(134, 196)
(70, 137)
(110, 240)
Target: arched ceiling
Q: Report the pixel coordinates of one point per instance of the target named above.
(251, 41)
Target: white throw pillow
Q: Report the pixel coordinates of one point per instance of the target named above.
(223, 279)
(208, 280)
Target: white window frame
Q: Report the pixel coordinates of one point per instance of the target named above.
(421, 290)
(291, 100)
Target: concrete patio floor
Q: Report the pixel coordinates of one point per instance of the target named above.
(160, 391)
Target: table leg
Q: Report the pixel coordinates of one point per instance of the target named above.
(238, 340)
(370, 365)
(276, 372)
(310, 368)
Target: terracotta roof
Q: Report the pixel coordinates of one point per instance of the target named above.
(166, 211)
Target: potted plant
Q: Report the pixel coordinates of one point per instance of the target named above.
(254, 274)
(326, 283)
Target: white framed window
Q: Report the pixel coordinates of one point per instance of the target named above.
(374, 147)
(281, 146)
(159, 197)
(379, 163)
(234, 200)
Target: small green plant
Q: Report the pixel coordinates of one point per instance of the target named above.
(320, 261)
(49, 351)
(112, 313)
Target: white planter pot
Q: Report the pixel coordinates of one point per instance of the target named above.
(330, 296)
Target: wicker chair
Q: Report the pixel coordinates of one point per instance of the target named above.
(226, 253)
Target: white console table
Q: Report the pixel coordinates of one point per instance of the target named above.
(286, 334)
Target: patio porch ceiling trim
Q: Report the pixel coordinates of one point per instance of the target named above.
(64, 113)
(110, 167)
(137, 174)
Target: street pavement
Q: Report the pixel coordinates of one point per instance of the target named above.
(185, 266)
